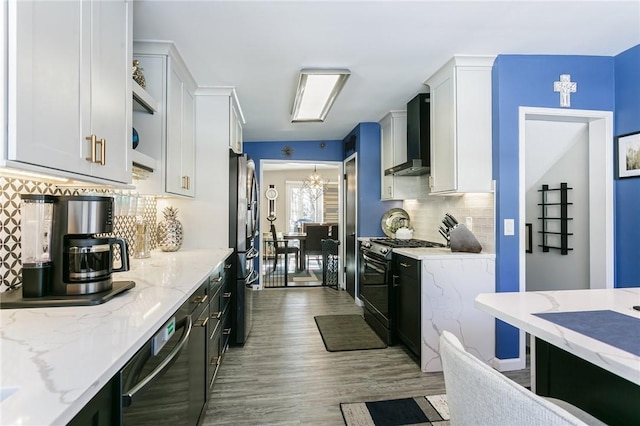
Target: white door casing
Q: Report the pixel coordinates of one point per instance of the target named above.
(600, 138)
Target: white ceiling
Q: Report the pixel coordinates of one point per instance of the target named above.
(391, 47)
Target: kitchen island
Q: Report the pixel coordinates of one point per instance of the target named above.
(583, 360)
(450, 283)
(54, 360)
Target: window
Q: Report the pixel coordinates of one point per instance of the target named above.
(304, 205)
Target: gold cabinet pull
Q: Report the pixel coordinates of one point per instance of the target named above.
(92, 150)
(202, 322)
(103, 151)
(185, 182)
(226, 295)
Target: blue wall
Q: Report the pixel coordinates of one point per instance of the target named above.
(370, 208)
(627, 191)
(300, 151)
(527, 80)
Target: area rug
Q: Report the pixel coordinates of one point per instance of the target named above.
(347, 333)
(421, 410)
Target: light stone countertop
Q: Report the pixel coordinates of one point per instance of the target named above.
(517, 309)
(54, 360)
(423, 253)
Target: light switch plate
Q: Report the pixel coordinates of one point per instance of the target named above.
(509, 227)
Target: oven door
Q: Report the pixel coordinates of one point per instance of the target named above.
(375, 287)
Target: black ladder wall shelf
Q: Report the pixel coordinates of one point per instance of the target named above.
(560, 208)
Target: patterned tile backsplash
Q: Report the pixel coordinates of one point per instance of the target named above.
(10, 250)
(426, 216)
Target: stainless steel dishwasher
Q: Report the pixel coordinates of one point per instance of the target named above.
(165, 381)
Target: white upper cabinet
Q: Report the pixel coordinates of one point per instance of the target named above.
(235, 125)
(224, 115)
(461, 126)
(168, 135)
(69, 91)
(393, 151)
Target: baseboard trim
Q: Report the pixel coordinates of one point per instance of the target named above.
(509, 364)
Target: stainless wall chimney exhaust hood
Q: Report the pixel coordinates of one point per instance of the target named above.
(418, 139)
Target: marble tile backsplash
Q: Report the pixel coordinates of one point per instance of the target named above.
(426, 216)
(10, 248)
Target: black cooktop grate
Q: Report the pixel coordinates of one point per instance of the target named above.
(411, 243)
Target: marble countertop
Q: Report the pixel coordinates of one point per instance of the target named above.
(517, 309)
(54, 360)
(423, 253)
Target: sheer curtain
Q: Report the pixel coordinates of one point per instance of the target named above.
(303, 205)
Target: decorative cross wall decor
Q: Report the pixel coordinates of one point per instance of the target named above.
(566, 87)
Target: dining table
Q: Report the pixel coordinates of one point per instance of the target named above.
(585, 346)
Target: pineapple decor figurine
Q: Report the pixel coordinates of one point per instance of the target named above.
(138, 76)
(170, 231)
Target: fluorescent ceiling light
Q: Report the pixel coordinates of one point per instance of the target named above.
(317, 90)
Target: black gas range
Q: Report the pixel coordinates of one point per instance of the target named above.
(375, 280)
(380, 247)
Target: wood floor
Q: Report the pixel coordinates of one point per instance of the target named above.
(284, 376)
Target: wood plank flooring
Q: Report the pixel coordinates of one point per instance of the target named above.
(284, 376)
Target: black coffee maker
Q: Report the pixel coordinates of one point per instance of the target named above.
(65, 250)
(82, 256)
(67, 255)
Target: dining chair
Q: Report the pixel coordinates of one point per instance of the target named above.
(479, 395)
(313, 241)
(281, 246)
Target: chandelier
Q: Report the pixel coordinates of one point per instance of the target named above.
(314, 184)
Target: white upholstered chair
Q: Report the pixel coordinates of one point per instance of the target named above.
(479, 395)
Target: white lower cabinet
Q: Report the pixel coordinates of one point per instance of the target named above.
(167, 136)
(68, 76)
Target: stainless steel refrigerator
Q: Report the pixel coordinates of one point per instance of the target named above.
(244, 211)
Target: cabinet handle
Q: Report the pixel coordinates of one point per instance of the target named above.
(92, 150)
(404, 265)
(203, 322)
(394, 280)
(226, 331)
(103, 151)
(186, 182)
(227, 266)
(217, 315)
(216, 280)
(199, 299)
(214, 360)
(226, 295)
(219, 360)
(430, 181)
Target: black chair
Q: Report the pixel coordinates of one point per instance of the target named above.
(282, 247)
(313, 241)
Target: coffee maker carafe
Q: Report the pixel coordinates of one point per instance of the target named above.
(82, 255)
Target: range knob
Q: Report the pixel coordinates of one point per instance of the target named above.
(384, 250)
(366, 244)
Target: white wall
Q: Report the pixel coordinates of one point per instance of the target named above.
(558, 152)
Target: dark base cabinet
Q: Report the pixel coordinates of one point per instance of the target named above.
(407, 286)
(219, 331)
(604, 395)
(103, 409)
(179, 393)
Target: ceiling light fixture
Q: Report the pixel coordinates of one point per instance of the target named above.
(314, 184)
(317, 90)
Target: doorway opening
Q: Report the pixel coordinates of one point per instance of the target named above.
(303, 209)
(574, 147)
